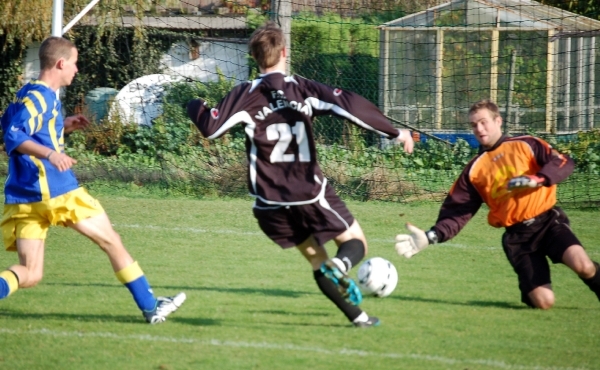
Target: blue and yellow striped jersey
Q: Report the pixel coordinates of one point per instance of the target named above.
(34, 115)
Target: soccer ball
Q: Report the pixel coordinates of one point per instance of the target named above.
(377, 277)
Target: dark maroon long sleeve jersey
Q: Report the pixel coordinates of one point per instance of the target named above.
(277, 112)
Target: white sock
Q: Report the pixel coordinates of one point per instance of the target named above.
(339, 264)
(363, 317)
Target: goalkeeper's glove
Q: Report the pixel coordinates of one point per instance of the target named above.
(526, 181)
(408, 245)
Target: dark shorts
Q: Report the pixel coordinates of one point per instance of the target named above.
(528, 243)
(289, 226)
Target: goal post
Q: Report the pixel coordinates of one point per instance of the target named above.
(57, 17)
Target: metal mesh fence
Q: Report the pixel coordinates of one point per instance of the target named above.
(422, 62)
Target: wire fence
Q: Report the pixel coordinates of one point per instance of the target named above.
(422, 62)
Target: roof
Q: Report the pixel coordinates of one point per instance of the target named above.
(188, 22)
(497, 13)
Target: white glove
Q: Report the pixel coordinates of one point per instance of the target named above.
(408, 245)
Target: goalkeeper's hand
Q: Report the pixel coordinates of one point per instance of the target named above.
(409, 244)
(526, 181)
(194, 108)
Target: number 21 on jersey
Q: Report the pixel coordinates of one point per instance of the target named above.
(284, 133)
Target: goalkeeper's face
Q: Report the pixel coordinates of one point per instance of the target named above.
(486, 128)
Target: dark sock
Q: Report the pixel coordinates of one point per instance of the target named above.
(331, 291)
(351, 252)
(594, 281)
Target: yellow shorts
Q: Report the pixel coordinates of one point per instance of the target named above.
(32, 220)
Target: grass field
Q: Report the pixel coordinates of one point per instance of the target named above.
(252, 305)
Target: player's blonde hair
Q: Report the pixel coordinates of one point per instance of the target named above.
(52, 49)
(265, 45)
(485, 104)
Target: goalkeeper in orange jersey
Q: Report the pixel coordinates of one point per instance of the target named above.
(516, 177)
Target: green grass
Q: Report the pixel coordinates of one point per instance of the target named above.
(252, 305)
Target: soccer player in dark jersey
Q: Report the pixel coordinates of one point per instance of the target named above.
(41, 189)
(295, 205)
(516, 177)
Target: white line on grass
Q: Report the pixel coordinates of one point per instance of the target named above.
(256, 233)
(284, 347)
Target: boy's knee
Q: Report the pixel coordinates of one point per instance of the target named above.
(110, 242)
(32, 279)
(542, 298)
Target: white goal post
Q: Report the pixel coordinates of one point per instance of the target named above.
(57, 17)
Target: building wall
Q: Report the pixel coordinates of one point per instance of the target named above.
(202, 59)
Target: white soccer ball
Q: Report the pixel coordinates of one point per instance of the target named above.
(377, 277)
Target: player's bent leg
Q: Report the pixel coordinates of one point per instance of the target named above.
(588, 271)
(30, 269)
(354, 314)
(349, 254)
(354, 232)
(316, 255)
(99, 230)
(542, 297)
(577, 259)
(313, 252)
(128, 272)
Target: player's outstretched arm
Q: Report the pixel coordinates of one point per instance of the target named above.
(408, 245)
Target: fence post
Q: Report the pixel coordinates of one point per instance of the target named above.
(511, 87)
(439, 68)
(281, 13)
(550, 114)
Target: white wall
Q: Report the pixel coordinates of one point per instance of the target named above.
(229, 57)
(31, 63)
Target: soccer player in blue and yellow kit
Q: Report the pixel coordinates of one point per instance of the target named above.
(41, 190)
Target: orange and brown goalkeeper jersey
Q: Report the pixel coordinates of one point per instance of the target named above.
(485, 180)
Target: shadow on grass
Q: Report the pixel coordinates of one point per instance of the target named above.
(129, 319)
(123, 319)
(291, 313)
(499, 304)
(177, 288)
(172, 289)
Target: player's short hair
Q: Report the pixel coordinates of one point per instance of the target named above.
(265, 45)
(485, 104)
(52, 49)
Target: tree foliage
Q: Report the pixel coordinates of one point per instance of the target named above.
(588, 8)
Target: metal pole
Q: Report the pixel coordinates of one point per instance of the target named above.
(57, 17)
(79, 16)
(511, 87)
